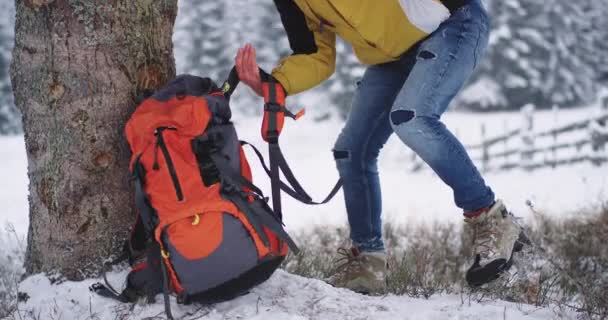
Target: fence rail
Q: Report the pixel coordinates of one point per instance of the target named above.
(590, 144)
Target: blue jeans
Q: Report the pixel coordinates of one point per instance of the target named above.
(408, 97)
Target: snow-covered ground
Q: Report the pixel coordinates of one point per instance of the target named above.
(408, 198)
(283, 297)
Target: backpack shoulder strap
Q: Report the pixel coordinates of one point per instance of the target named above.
(272, 125)
(293, 188)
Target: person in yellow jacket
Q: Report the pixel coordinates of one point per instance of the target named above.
(420, 53)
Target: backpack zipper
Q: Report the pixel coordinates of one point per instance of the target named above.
(160, 143)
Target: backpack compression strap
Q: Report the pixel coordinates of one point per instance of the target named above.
(272, 125)
(292, 187)
(274, 115)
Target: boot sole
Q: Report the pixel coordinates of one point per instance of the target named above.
(359, 289)
(363, 291)
(492, 271)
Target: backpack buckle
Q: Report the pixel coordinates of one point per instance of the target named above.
(272, 136)
(273, 107)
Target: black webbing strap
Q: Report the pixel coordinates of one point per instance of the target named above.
(107, 290)
(165, 272)
(295, 190)
(229, 86)
(272, 136)
(275, 150)
(258, 216)
(232, 177)
(275, 187)
(231, 83)
(146, 212)
(277, 160)
(163, 268)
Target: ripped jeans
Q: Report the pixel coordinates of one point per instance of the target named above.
(408, 97)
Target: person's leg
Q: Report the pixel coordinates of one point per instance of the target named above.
(356, 151)
(444, 62)
(362, 268)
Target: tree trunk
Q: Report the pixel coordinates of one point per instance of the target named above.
(77, 67)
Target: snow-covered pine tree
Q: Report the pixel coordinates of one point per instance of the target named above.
(10, 120)
(598, 52)
(256, 22)
(343, 83)
(200, 39)
(536, 55)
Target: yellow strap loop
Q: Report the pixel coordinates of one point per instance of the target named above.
(197, 219)
(164, 254)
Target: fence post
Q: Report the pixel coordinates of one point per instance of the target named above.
(598, 135)
(485, 154)
(505, 142)
(555, 111)
(527, 136)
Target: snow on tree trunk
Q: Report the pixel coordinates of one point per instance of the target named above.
(77, 67)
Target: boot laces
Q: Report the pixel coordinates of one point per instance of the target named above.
(349, 260)
(484, 237)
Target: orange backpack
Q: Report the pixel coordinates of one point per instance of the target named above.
(203, 230)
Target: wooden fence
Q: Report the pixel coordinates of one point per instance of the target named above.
(530, 149)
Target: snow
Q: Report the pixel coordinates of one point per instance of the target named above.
(421, 197)
(282, 297)
(485, 91)
(409, 198)
(13, 183)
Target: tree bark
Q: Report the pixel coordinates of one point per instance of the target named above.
(77, 67)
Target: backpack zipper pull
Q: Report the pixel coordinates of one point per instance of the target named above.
(155, 165)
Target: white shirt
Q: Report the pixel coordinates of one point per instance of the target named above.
(426, 15)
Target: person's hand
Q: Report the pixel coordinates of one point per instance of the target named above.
(248, 70)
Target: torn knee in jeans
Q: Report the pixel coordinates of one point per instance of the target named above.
(402, 116)
(341, 155)
(426, 55)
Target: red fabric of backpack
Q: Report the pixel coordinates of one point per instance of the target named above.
(203, 231)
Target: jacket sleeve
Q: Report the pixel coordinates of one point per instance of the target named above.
(314, 51)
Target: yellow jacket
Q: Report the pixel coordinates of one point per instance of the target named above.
(379, 31)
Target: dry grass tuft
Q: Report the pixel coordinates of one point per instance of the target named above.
(11, 269)
(566, 267)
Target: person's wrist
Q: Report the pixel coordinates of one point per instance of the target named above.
(259, 89)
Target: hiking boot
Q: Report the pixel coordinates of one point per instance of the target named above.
(495, 236)
(362, 272)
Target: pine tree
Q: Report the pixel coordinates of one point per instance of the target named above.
(343, 83)
(10, 120)
(598, 52)
(537, 55)
(200, 38)
(75, 81)
(256, 22)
